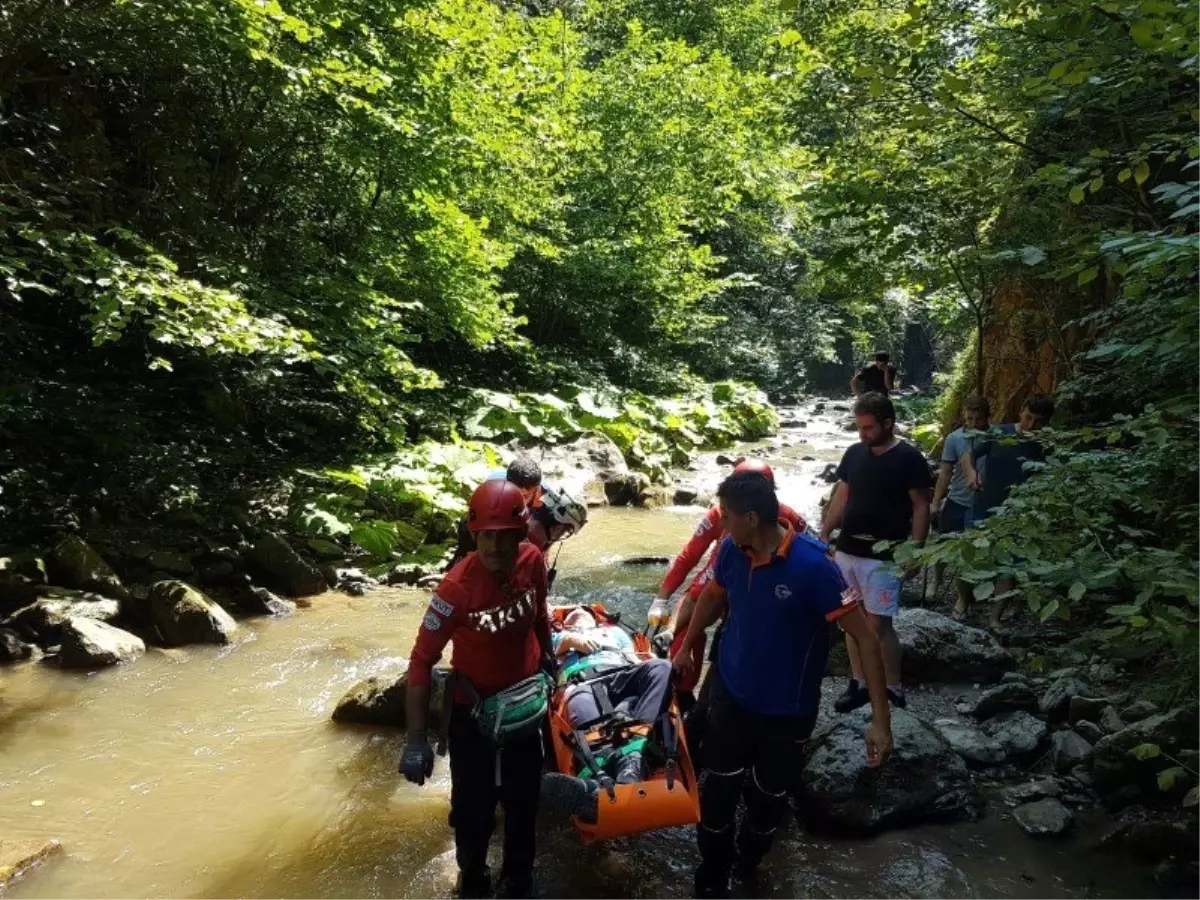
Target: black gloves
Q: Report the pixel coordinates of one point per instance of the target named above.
(416, 763)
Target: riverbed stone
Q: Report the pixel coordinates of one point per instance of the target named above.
(12, 648)
(1068, 750)
(283, 569)
(685, 495)
(1114, 765)
(42, 620)
(625, 488)
(1056, 702)
(1089, 731)
(1030, 791)
(970, 743)
(73, 563)
(380, 700)
(258, 601)
(1005, 697)
(1043, 818)
(1019, 733)
(88, 644)
(181, 614)
(1138, 710)
(924, 779)
(19, 855)
(1085, 708)
(937, 648)
(1110, 722)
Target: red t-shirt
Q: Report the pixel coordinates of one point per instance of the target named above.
(499, 624)
(709, 534)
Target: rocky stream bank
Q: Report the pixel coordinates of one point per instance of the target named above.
(1030, 740)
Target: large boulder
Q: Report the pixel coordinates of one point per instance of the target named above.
(380, 700)
(283, 569)
(924, 778)
(936, 648)
(970, 743)
(73, 563)
(1043, 818)
(1010, 696)
(1117, 762)
(183, 615)
(1138, 710)
(1056, 702)
(1068, 750)
(42, 620)
(12, 648)
(1019, 733)
(88, 644)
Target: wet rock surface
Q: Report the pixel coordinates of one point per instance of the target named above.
(1009, 696)
(937, 648)
(1068, 750)
(88, 644)
(924, 779)
(1043, 818)
(1056, 701)
(12, 648)
(1019, 733)
(41, 622)
(181, 614)
(19, 856)
(970, 742)
(380, 700)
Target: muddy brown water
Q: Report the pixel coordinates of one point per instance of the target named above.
(216, 772)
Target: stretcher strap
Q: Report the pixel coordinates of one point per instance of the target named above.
(584, 751)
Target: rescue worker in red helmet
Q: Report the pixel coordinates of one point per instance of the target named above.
(493, 605)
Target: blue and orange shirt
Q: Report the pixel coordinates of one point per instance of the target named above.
(779, 611)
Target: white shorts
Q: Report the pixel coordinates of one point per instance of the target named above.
(879, 582)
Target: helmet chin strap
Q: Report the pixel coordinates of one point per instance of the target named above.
(553, 573)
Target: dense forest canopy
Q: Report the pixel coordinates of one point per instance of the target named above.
(245, 236)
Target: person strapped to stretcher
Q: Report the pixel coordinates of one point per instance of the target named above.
(609, 689)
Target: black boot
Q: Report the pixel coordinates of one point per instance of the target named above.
(516, 887)
(897, 698)
(473, 885)
(571, 796)
(710, 881)
(855, 696)
(631, 769)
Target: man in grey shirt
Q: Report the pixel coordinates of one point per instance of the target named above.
(952, 497)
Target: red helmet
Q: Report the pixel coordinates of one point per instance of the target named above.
(758, 467)
(497, 506)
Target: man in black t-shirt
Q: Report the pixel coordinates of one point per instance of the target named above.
(882, 495)
(877, 378)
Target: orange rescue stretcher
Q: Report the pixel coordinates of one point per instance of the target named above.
(668, 797)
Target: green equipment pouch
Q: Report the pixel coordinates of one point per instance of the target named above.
(516, 711)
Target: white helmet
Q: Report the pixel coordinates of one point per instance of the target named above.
(564, 509)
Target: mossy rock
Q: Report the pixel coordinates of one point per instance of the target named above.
(181, 614)
(73, 563)
(381, 699)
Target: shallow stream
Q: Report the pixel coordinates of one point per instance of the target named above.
(212, 772)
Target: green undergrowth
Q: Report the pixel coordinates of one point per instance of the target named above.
(402, 505)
